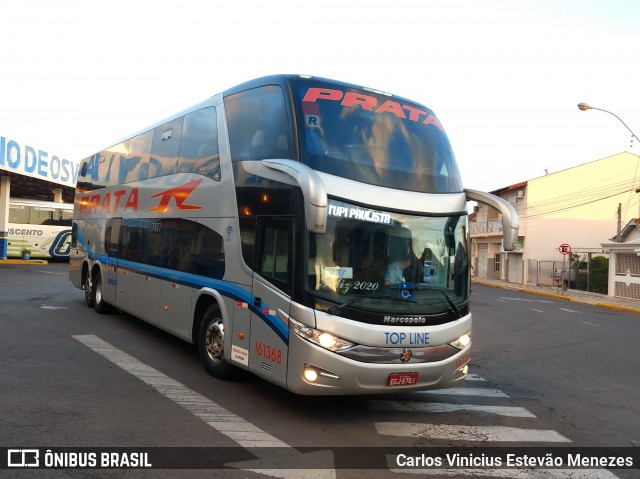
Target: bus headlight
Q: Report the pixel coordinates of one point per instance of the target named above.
(321, 338)
(462, 342)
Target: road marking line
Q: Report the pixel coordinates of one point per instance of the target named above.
(479, 392)
(526, 300)
(591, 324)
(234, 427)
(475, 377)
(408, 406)
(569, 310)
(537, 310)
(468, 433)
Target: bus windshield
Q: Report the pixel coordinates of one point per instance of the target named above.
(389, 262)
(373, 138)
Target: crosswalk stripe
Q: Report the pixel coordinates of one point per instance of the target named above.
(234, 427)
(479, 392)
(428, 407)
(468, 433)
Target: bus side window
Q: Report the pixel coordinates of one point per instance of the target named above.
(207, 256)
(165, 149)
(275, 253)
(111, 237)
(199, 146)
(138, 157)
(19, 214)
(258, 124)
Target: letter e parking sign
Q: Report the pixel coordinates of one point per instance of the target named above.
(564, 249)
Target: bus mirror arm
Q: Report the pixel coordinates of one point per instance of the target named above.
(510, 221)
(313, 191)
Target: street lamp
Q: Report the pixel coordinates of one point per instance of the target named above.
(585, 107)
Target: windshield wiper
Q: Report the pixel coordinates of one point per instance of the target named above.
(451, 303)
(335, 309)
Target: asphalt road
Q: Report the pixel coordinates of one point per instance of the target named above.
(544, 374)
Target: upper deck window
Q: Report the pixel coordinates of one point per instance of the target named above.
(258, 124)
(373, 138)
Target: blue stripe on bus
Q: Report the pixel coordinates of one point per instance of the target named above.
(226, 288)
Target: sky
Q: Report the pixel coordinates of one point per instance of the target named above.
(503, 77)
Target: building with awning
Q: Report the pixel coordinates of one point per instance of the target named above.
(28, 172)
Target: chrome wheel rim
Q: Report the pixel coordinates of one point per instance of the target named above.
(214, 341)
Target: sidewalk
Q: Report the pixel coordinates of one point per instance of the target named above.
(620, 304)
(23, 261)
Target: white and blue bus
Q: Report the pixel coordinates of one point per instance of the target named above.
(41, 228)
(310, 231)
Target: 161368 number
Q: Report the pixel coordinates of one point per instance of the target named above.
(268, 352)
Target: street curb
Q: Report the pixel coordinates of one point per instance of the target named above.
(616, 307)
(23, 261)
(523, 290)
(624, 309)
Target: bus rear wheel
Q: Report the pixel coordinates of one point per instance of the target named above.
(98, 300)
(88, 291)
(211, 344)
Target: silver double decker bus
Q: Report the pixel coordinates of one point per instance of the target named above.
(310, 231)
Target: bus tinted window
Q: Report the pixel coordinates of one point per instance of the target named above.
(176, 244)
(257, 124)
(165, 149)
(207, 254)
(138, 157)
(199, 146)
(373, 138)
(19, 214)
(113, 162)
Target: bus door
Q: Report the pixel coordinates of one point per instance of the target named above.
(111, 246)
(272, 285)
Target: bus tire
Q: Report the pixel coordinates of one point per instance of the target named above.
(88, 290)
(98, 299)
(211, 344)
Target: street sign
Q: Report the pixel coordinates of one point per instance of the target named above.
(564, 249)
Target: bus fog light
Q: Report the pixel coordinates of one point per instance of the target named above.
(310, 375)
(465, 369)
(462, 342)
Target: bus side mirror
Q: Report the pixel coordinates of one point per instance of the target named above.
(510, 220)
(313, 191)
(297, 174)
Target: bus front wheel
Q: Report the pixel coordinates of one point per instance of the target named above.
(211, 344)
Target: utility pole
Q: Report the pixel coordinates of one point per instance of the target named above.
(619, 223)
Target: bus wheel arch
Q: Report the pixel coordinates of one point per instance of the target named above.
(209, 336)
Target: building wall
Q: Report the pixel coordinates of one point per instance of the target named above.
(578, 206)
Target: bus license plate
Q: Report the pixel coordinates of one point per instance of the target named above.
(402, 379)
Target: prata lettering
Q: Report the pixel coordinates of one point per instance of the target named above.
(360, 214)
(109, 203)
(412, 338)
(405, 320)
(370, 103)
